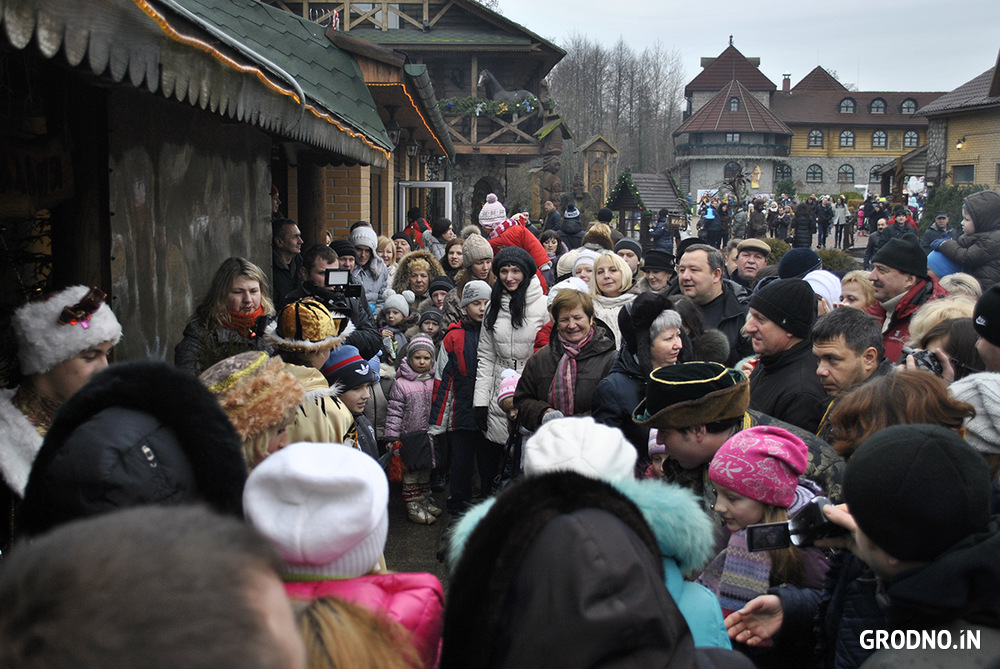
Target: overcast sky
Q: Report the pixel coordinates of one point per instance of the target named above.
(879, 45)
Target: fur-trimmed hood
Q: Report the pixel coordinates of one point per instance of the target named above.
(683, 530)
(401, 281)
(81, 472)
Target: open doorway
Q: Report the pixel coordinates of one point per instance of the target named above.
(433, 198)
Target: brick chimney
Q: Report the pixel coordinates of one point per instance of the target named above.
(786, 83)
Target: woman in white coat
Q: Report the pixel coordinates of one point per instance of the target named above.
(516, 312)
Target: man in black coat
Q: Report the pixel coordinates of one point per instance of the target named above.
(316, 260)
(784, 383)
(553, 221)
(286, 243)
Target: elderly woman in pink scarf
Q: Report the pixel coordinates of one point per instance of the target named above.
(560, 378)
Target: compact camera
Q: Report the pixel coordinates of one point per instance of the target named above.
(925, 360)
(808, 525)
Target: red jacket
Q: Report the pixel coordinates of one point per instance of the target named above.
(414, 600)
(518, 235)
(895, 337)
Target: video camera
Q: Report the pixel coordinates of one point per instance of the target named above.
(338, 280)
(808, 525)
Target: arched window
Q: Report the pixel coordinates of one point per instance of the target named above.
(845, 175)
(847, 106)
(734, 104)
(877, 106)
(782, 171)
(911, 139)
(814, 174)
(908, 106)
(873, 176)
(847, 138)
(816, 138)
(879, 139)
(731, 170)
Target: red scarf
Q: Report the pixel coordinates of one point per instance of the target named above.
(244, 323)
(563, 391)
(502, 227)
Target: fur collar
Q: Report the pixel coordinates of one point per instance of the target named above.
(19, 443)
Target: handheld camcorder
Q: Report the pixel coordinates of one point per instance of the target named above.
(338, 280)
(808, 525)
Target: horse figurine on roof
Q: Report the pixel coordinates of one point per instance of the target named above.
(497, 92)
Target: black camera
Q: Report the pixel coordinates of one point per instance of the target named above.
(338, 280)
(808, 525)
(925, 360)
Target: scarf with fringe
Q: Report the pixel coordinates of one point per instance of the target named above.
(563, 391)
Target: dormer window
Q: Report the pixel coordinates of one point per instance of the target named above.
(847, 106)
(909, 106)
(734, 104)
(877, 106)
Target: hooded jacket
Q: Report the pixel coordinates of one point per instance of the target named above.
(518, 235)
(978, 253)
(601, 604)
(409, 402)
(84, 468)
(401, 281)
(374, 278)
(506, 347)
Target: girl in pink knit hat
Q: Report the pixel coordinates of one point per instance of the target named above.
(756, 478)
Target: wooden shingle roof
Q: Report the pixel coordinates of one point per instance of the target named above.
(715, 115)
(730, 65)
(656, 191)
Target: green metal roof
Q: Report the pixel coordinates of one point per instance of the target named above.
(328, 76)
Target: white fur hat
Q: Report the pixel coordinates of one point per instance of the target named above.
(363, 236)
(581, 445)
(325, 507)
(45, 338)
(825, 284)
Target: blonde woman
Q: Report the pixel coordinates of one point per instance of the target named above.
(609, 289)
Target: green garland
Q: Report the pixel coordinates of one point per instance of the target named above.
(483, 107)
(626, 179)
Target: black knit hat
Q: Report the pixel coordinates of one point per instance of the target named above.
(343, 248)
(791, 303)
(605, 215)
(514, 255)
(630, 244)
(658, 260)
(903, 254)
(442, 282)
(797, 263)
(917, 490)
(986, 315)
(403, 235)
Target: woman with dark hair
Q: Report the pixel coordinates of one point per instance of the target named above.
(225, 321)
(803, 227)
(554, 248)
(515, 314)
(561, 377)
(452, 260)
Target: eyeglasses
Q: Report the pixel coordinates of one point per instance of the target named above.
(81, 312)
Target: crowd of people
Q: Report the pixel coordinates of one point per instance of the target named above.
(644, 457)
